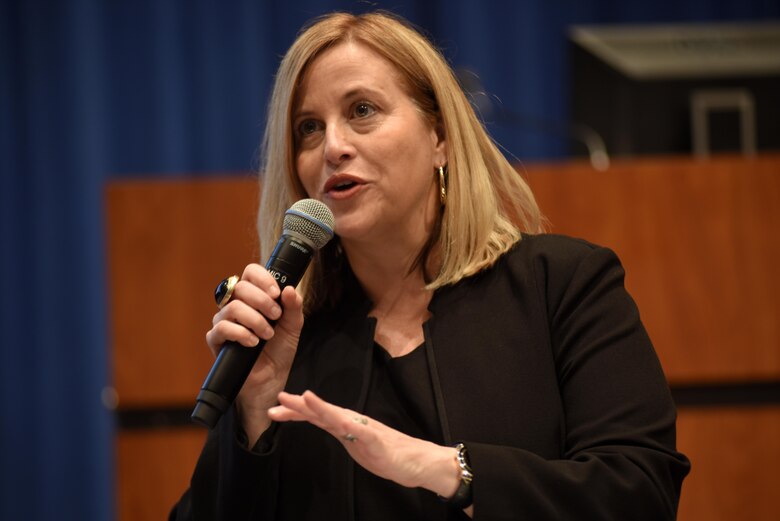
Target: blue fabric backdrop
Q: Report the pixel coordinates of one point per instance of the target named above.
(92, 90)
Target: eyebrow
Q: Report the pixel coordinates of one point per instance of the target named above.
(357, 92)
(351, 94)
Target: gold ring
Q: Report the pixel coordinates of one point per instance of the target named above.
(224, 290)
(350, 437)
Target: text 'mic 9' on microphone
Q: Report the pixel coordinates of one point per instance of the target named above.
(308, 226)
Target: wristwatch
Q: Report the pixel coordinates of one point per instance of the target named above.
(463, 496)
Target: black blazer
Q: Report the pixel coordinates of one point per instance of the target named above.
(540, 365)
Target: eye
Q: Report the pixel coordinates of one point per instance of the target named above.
(363, 109)
(308, 126)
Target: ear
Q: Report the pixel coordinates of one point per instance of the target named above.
(440, 145)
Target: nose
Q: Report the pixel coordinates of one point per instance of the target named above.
(338, 147)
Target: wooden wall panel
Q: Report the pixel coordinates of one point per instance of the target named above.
(699, 241)
(169, 244)
(736, 457)
(154, 468)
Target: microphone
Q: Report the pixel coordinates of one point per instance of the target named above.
(308, 226)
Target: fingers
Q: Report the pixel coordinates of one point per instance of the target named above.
(253, 309)
(260, 277)
(225, 330)
(240, 322)
(292, 305)
(294, 408)
(259, 291)
(337, 421)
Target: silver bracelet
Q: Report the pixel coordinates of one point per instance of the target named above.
(463, 496)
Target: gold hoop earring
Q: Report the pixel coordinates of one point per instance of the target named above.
(442, 186)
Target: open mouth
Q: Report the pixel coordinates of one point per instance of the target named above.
(344, 186)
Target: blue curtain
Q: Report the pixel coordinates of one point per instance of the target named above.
(92, 90)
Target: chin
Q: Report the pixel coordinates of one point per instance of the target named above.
(353, 228)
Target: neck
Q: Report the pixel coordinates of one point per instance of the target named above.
(399, 298)
(384, 273)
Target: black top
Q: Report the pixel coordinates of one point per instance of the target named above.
(400, 395)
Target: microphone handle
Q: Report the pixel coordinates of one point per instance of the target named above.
(287, 264)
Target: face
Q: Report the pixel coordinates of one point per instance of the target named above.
(364, 148)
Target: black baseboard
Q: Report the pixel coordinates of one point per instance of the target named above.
(727, 394)
(685, 396)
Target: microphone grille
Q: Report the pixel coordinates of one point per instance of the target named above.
(312, 219)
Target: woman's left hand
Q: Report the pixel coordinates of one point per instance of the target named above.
(384, 451)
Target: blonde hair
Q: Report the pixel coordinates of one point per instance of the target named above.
(488, 203)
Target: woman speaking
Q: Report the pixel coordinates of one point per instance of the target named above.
(443, 358)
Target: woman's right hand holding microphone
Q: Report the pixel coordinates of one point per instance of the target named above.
(246, 319)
